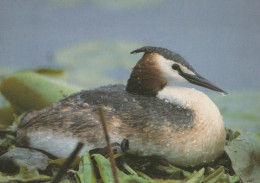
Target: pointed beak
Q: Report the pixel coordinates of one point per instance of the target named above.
(199, 80)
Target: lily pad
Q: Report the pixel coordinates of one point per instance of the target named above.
(25, 157)
(244, 152)
(31, 91)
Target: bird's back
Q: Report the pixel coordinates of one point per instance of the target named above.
(127, 115)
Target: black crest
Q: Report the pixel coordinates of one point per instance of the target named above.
(168, 54)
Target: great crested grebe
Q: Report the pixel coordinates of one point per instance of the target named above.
(180, 124)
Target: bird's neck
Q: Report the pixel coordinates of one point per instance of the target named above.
(185, 97)
(145, 78)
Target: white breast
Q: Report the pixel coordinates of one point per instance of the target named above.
(206, 140)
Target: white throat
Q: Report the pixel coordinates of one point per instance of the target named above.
(180, 95)
(193, 99)
(189, 98)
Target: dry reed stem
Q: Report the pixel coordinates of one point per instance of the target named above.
(110, 151)
(65, 166)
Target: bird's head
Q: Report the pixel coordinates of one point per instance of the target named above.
(160, 66)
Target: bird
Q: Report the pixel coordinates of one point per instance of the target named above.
(180, 124)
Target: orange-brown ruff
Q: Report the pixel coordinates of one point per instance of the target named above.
(180, 124)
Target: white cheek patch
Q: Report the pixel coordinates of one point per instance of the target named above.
(186, 70)
(168, 73)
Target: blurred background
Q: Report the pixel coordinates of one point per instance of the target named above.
(91, 41)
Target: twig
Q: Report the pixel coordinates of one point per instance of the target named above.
(67, 163)
(110, 151)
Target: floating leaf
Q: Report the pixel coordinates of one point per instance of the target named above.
(29, 90)
(244, 152)
(105, 170)
(129, 169)
(50, 71)
(62, 160)
(26, 157)
(229, 179)
(196, 177)
(168, 181)
(6, 117)
(86, 170)
(25, 175)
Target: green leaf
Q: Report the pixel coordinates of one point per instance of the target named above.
(105, 170)
(6, 117)
(129, 169)
(65, 181)
(170, 169)
(215, 176)
(62, 160)
(86, 170)
(244, 152)
(50, 71)
(25, 175)
(196, 177)
(32, 91)
(230, 179)
(167, 181)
